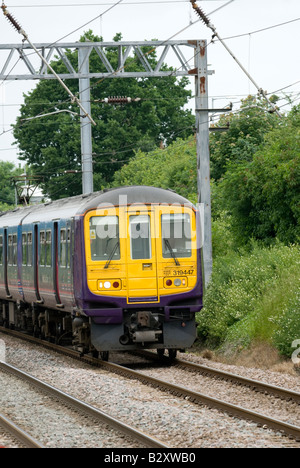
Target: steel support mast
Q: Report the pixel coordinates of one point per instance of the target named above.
(203, 154)
(85, 123)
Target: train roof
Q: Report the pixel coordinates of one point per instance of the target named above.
(76, 206)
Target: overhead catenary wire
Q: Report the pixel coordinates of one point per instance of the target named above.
(128, 3)
(137, 2)
(21, 31)
(207, 22)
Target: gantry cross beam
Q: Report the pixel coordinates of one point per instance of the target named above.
(33, 70)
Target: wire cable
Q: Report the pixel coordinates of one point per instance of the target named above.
(207, 22)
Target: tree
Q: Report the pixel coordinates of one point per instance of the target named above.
(51, 145)
(7, 192)
(174, 167)
(263, 195)
(245, 134)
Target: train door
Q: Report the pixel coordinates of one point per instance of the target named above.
(5, 262)
(36, 262)
(142, 282)
(55, 266)
(65, 279)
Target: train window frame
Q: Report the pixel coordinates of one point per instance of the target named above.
(171, 248)
(12, 249)
(15, 249)
(29, 249)
(1, 249)
(63, 248)
(24, 248)
(48, 248)
(137, 242)
(96, 237)
(42, 248)
(9, 249)
(68, 256)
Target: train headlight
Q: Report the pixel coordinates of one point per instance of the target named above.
(175, 282)
(110, 284)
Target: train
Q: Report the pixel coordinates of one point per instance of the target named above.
(116, 270)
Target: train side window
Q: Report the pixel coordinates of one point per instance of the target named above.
(42, 248)
(68, 248)
(24, 249)
(48, 248)
(15, 249)
(10, 249)
(63, 248)
(1, 250)
(29, 251)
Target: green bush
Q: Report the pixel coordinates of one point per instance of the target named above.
(174, 167)
(289, 325)
(245, 297)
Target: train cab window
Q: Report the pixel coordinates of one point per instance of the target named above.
(104, 238)
(24, 249)
(140, 237)
(1, 250)
(176, 235)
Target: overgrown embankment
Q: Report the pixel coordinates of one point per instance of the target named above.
(253, 297)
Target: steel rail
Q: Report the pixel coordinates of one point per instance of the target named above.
(199, 398)
(260, 386)
(196, 397)
(93, 412)
(280, 392)
(18, 433)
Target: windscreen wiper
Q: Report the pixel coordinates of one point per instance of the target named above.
(168, 245)
(112, 254)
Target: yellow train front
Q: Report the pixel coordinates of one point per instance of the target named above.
(142, 282)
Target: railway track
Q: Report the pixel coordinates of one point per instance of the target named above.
(196, 397)
(76, 405)
(18, 434)
(214, 373)
(290, 430)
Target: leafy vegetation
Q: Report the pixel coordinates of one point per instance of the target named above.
(7, 192)
(172, 167)
(263, 194)
(252, 297)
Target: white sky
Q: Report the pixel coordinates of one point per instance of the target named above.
(271, 56)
